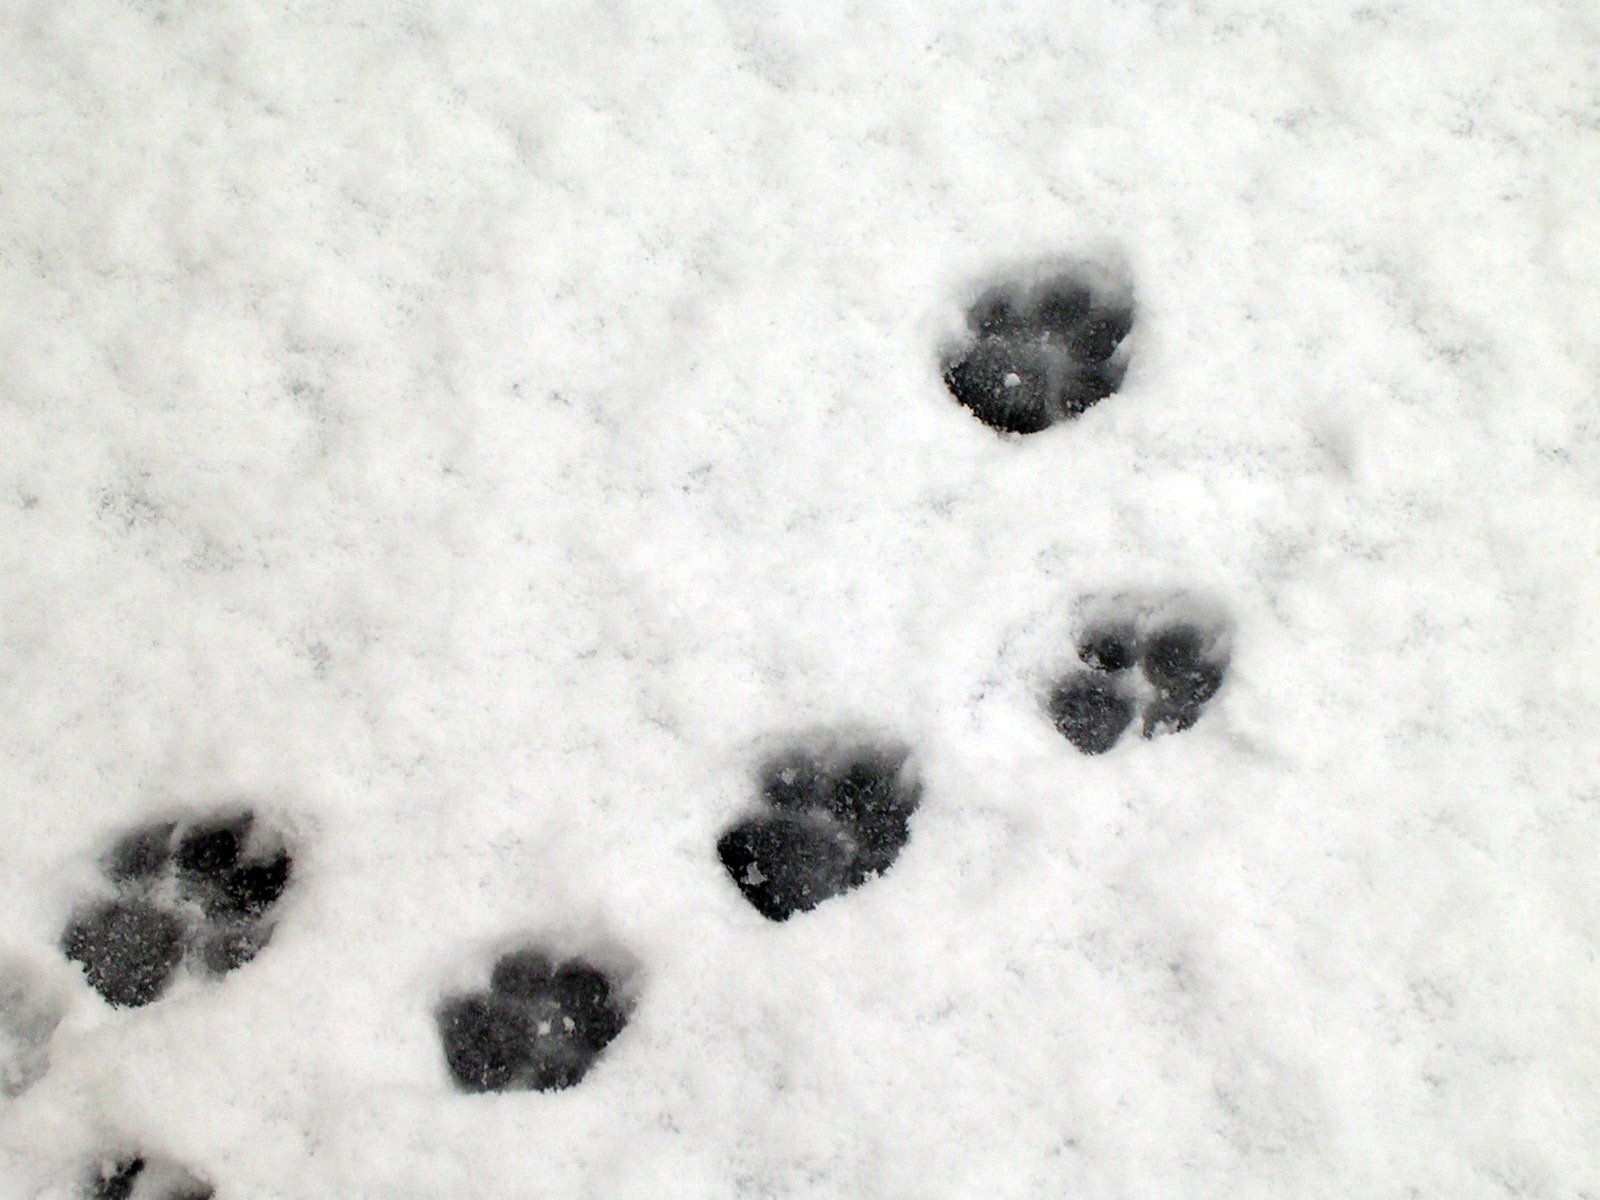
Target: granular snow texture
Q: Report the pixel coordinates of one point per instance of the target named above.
(476, 438)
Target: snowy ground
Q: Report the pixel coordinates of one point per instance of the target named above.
(475, 434)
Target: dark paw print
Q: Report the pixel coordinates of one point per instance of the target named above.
(128, 947)
(1035, 355)
(202, 891)
(1182, 666)
(1091, 711)
(115, 1181)
(137, 1178)
(1179, 664)
(540, 1026)
(831, 823)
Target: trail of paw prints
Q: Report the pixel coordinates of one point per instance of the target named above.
(201, 893)
(540, 1026)
(1181, 665)
(136, 1177)
(1039, 353)
(831, 820)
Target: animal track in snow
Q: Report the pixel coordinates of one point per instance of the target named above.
(138, 1178)
(202, 892)
(540, 1026)
(1041, 352)
(832, 819)
(30, 1010)
(1181, 664)
(1091, 710)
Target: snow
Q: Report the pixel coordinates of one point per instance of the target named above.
(475, 435)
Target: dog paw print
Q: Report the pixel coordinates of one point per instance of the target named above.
(540, 1026)
(202, 892)
(830, 822)
(1180, 663)
(1039, 353)
(139, 1178)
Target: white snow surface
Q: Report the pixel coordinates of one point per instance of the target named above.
(475, 434)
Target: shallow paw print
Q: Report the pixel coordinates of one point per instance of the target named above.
(540, 1026)
(1181, 664)
(1038, 353)
(831, 821)
(201, 892)
(136, 1177)
(30, 1010)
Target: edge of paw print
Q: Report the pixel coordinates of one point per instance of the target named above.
(142, 1177)
(200, 892)
(32, 1006)
(1157, 666)
(831, 815)
(541, 1024)
(1041, 345)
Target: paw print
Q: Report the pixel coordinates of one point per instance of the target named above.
(1182, 665)
(831, 822)
(1035, 355)
(540, 1026)
(202, 892)
(30, 1010)
(138, 1178)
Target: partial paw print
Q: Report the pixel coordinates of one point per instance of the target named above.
(202, 892)
(832, 819)
(540, 1026)
(1037, 353)
(30, 1010)
(139, 1178)
(1181, 663)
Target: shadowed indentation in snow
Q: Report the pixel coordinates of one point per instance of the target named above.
(116, 1180)
(540, 1026)
(1090, 711)
(203, 891)
(1039, 353)
(214, 871)
(30, 1011)
(128, 947)
(1109, 647)
(832, 819)
(786, 863)
(1182, 664)
(139, 1178)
